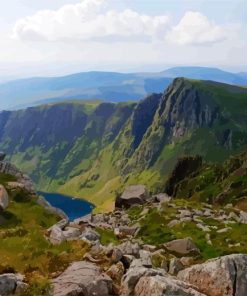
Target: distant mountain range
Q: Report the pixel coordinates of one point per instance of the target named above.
(91, 149)
(106, 86)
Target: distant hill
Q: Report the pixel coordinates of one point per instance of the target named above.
(91, 149)
(106, 86)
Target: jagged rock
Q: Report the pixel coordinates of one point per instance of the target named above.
(164, 286)
(203, 227)
(133, 275)
(83, 220)
(116, 255)
(182, 247)
(4, 198)
(175, 266)
(149, 248)
(133, 195)
(187, 261)
(82, 278)
(129, 248)
(143, 261)
(90, 235)
(185, 213)
(224, 276)
(162, 198)
(11, 283)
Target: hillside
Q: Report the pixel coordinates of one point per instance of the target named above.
(93, 149)
(107, 86)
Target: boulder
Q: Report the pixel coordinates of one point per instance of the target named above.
(82, 278)
(128, 248)
(224, 276)
(11, 283)
(132, 195)
(56, 235)
(90, 235)
(243, 217)
(182, 247)
(133, 275)
(128, 230)
(164, 286)
(4, 198)
(116, 271)
(71, 233)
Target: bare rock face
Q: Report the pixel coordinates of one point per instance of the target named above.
(82, 278)
(182, 247)
(164, 286)
(4, 198)
(224, 276)
(135, 194)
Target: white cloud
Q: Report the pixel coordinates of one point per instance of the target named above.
(89, 19)
(196, 29)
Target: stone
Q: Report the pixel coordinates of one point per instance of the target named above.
(224, 276)
(185, 213)
(129, 248)
(82, 278)
(4, 198)
(11, 283)
(175, 266)
(128, 231)
(127, 260)
(131, 278)
(162, 198)
(164, 286)
(116, 271)
(56, 236)
(224, 230)
(71, 233)
(243, 217)
(132, 195)
(144, 260)
(116, 255)
(187, 261)
(83, 220)
(173, 223)
(182, 247)
(90, 235)
(149, 248)
(203, 227)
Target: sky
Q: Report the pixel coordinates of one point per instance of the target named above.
(56, 37)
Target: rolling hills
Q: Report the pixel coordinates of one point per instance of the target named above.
(92, 149)
(107, 86)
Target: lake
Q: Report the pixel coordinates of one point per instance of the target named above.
(72, 207)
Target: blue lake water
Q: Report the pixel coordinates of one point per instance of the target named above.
(72, 207)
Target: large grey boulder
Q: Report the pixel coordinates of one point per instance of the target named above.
(224, 276)
(132, 195)
(164, 286)
(11, 284)
(4, 198)
(131, 278)
(182, 247)
(129, 248)
(82, 278)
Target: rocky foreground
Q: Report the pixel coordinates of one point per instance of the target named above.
(130, 266)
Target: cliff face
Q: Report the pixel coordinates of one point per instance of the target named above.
(74, 144)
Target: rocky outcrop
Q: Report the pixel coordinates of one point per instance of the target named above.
(164, 286)
(23, 180)
(132, 195)
(2, 156)
(11, 284)
(225, 276)
(182, 247)
(4, 198)
(82, 278)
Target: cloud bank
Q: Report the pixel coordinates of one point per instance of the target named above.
(95, 20)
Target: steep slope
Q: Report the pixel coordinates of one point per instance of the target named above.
(91, 149)
(215, 183)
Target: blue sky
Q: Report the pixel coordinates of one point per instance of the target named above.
(52, 37)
